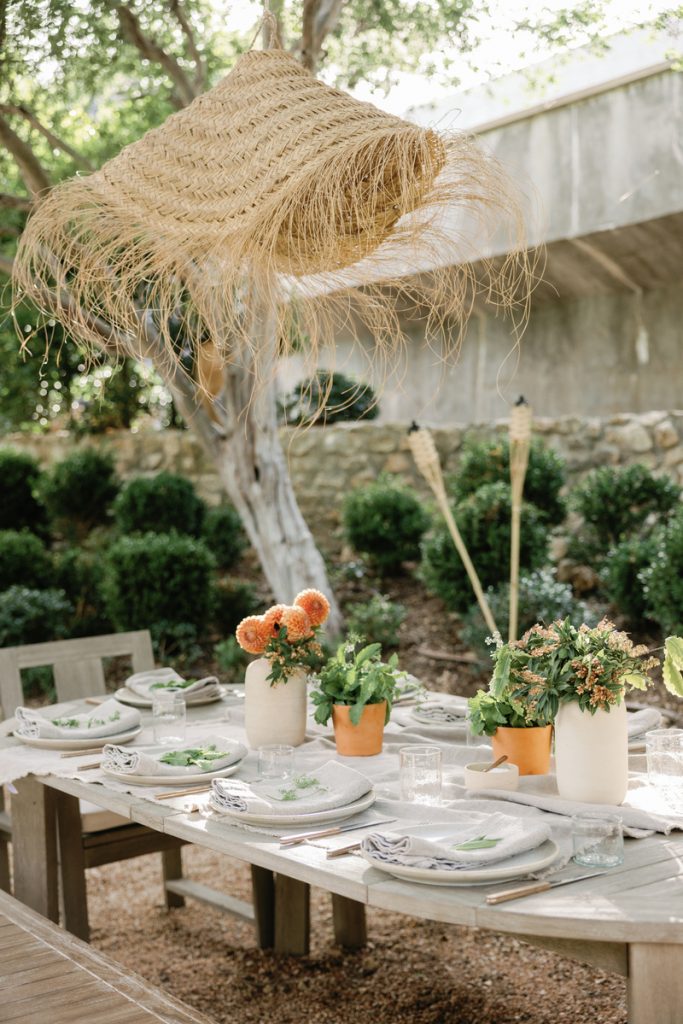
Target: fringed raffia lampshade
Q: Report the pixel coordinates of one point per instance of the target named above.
(265, 181)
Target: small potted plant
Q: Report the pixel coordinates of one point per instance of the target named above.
(578, 676)
(356, 689)
(515, 730)
(286, 637)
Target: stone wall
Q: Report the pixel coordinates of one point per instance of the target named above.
(325, 463)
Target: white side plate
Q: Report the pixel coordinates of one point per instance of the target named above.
(86, 743)
(285, 820)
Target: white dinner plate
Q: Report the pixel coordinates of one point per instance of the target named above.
(172, 780)
(501, 871)
(85, 743)
(136, 700)
(285, 820)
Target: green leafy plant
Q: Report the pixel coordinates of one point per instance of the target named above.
(662, 580)
(80, 573)
(386, 522)
(542, 598)
(355, 676)
(160, 503)
(24, 561)
(160, 582)
(484, 522)
(231, 659)
(201, 757)
(487, 713)
(223, 534)
(231, 601)
(19, 483)
(328, 398)
(378, 619)
(622, 575)
(286, 656)
(488, 462)
(33, 616)
(560, 663)
(617, 502)
(79, 491)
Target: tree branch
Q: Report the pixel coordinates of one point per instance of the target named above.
(8, 202)
(150, 50)
(54, 140)
(32, 171)
(200, 79)
(318, 20)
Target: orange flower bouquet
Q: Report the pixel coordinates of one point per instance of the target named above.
(287, 635)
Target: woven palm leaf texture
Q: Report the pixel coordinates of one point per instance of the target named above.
(272, 189)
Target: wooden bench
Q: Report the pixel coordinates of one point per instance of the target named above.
(47, 976)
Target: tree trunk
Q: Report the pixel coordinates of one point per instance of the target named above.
(240, 435)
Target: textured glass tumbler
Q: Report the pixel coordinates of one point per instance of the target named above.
(276, 761)
(664, 750)
(420, 774)
(598, 840)
(168, 719)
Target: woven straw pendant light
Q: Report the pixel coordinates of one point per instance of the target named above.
(270, 178)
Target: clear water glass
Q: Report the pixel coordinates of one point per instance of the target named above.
(276, 761)
(598, 840)
(420, 774)
(664, 751)
(169, 714)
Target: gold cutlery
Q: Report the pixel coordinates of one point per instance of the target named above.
(87, 767)
(182, 792)
(82, 753)
(335, 830)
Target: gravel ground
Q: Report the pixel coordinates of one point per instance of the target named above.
(412, 972)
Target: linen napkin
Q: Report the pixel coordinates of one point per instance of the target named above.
(333, 785)
(106, 719)
(640, 722)
(158, 681)
(507, 836)
(138, 762)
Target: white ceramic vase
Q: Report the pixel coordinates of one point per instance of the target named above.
(274, 713)
(591, 754)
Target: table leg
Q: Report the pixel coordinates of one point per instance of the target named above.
(263, 890)
(172, 868)
(292, 916)
(72, 865)
(655, 983)
(348, 915)
(34, 847)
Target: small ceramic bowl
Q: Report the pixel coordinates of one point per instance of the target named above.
(505, 776)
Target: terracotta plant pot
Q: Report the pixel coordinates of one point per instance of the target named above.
(360, 740)
(529, 749)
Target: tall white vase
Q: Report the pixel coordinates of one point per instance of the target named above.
(274, 713)
(591, 754)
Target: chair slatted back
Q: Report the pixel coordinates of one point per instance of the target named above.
(76, 664)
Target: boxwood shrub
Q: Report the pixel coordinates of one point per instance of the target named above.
(24, 561)
(386, 522)
(159, 503)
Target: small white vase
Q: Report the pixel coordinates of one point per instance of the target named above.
(591, 754)
(274, 713)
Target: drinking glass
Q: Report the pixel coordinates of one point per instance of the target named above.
(420, 774)
(598, 840)
(664, 751)
(276, 761)
(168, 719)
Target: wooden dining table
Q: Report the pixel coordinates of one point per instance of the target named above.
(629, 920)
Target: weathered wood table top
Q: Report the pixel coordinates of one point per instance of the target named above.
(630, 920)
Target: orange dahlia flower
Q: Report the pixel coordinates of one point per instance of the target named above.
(315, 604)
(272, 619)
(297, 622)
(251, 634)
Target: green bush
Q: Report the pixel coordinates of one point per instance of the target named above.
(231, 659)
(663, 579)
(328, 398)
(488, 462)
(80, 575)
(19, 480)
(386, 522)
(158, 581)
(79, 491)
(621, 575)
(160, 504)
(542, 598)
(24, 561)
(33, 616)
(223, 535)
(378, 620)
(484, 523)
(232, 601)
(617, 502)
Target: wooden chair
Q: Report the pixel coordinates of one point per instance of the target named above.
(88, 837)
